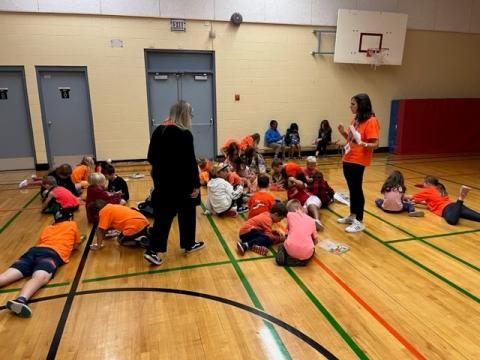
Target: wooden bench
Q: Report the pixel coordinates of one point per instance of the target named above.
(334, 147)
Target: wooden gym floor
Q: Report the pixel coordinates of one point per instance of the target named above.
(408, 287)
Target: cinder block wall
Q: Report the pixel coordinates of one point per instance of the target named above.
(270, 66)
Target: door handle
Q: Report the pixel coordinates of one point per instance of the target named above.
(49, 122)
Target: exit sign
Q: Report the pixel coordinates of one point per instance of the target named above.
(178, 25)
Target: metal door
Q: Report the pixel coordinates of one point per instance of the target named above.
(189, 76)
(66, 114)
(197, 89)
(16, 145)
(165, 92)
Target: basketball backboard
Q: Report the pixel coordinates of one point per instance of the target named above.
(361, 33)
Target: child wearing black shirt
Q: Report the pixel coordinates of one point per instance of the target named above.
(115, 182)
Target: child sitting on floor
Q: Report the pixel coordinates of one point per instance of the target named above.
(63, 176)
(203, 171)
(299, 246)
(278, 182)
(97, 190)
(54, 248)
(57, 197)
(256, 234)
(316, 184)
(221, 194)
(115, 182)
(133, 225)
(393, 191)
(81, 171)
(435, 196)
(261, 200)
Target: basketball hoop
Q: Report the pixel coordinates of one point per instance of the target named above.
(377, 56)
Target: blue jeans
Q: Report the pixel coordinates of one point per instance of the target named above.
(454, 211)
(407, 206)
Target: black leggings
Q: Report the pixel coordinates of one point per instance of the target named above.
(322, 146)
(354, 175)
(454, 211)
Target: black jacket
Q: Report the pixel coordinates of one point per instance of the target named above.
(174, 165)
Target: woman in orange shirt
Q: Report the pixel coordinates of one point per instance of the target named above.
(362, 138)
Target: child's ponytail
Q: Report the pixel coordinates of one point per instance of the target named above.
(432, 180)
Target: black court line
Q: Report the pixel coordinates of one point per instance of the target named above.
(291, 329)
(52, 352)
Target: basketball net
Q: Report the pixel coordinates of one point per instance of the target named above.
(377, 56)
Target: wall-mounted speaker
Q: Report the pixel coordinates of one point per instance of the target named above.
(236, 18)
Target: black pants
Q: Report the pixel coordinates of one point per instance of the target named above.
(322, 147)
(129, 240)
(164, 211)
(255, 237)
(283, 259)
(454, 211)
(354, 175)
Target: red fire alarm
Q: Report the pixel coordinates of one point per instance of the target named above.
(237, 97)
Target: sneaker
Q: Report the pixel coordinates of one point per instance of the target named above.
(318, 225)
(230, 213)
(242, 209)
(19, 308)
(143, 241)
(112, 233)
(197, 246)
(346, 220)
(261, 250)
(241, 248)
(23, 184)
(416, 213)
(152, 257)
(356, 226)
(464, 191)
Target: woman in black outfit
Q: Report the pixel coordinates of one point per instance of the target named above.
(324, 138)
(176, 182)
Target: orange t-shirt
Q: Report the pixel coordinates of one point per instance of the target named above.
(292, 169)
(121, 218)
(369, 130)
(80, 173)
(233, 178)
(228, 143)
(60, 237)
(263, 223)
(435, 202)
(245, 142)
(260, 202)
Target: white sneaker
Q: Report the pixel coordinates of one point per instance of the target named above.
(346, 220)
(356, 226)
(23, 184)
(318, 225)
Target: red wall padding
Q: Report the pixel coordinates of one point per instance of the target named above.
(430, 126)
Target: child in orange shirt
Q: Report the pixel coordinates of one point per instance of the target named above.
(57, 197)
(256, 234)
(435, 196)
(132, 224)
(204, 168)
(261, 200)
(81, 171)
(54, 248)
(278, 182)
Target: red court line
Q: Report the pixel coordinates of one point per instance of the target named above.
(372, 312)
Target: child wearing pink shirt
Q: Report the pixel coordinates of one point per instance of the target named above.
(299, 246)
(57, 197)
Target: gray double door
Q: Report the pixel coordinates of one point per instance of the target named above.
(16, 144)
(66, 114)
(170, 79)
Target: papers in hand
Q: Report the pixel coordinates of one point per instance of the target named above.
(356, 135)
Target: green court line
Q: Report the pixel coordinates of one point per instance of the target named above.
(464, 262)
(356, 349)
(419, 264)
(451, 233)
(330, 318)
(51, 285)
(400, 240)
(150, 272)
(248, 287)
(393, 225)
(12, 219)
